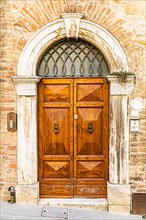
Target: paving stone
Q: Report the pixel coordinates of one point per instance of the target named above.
(55, 212)
(84, 214)
(21, 209)
(6, 217)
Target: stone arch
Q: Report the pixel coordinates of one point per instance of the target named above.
(94, 33)
(27, 190)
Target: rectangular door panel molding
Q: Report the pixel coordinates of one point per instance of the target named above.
(59, 93)
(58, 122)
(89, 92)
(89, 131)
(91, 170)
(90, 191)
(56, 169)
(56, 191)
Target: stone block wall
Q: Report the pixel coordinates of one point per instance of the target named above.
(21, 19)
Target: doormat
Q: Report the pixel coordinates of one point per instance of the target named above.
(54, 212)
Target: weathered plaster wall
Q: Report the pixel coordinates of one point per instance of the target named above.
(21, 19)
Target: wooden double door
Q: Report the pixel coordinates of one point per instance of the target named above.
(73, 138)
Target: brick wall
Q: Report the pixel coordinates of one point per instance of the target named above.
(21, 19)
(138, 157)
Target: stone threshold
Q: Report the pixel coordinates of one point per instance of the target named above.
(98, 204)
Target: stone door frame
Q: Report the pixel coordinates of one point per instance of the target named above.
(73, 25)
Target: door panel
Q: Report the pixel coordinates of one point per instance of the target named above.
(90, 191)
(58, 121)
(90, 146)
(89, 131)
(89, 92)
(90, 169)
(56, 148)
(73, 151)
(59, 93)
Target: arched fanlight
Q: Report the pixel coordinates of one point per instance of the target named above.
(73, 59)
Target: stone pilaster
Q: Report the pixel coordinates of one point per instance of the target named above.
(27, 188)
(118, 186)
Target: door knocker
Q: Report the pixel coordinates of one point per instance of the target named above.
(56, 128)
(90, 127)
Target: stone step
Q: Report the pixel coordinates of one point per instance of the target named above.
(98, 204)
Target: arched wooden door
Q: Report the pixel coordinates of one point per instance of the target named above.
(73, 137)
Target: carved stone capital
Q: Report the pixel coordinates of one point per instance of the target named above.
(26, 86)
(72, 23)
(119, 86)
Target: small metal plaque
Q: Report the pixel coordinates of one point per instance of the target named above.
(134, 126)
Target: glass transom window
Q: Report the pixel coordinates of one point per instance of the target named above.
(71, 58)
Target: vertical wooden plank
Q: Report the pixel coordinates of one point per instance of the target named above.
(75, 118)
(71, 127)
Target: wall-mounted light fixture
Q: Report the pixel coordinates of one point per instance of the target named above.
(11, 121)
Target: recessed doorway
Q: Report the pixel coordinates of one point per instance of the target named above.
(73, 137)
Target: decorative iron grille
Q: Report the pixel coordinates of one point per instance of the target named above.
(73, 59)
